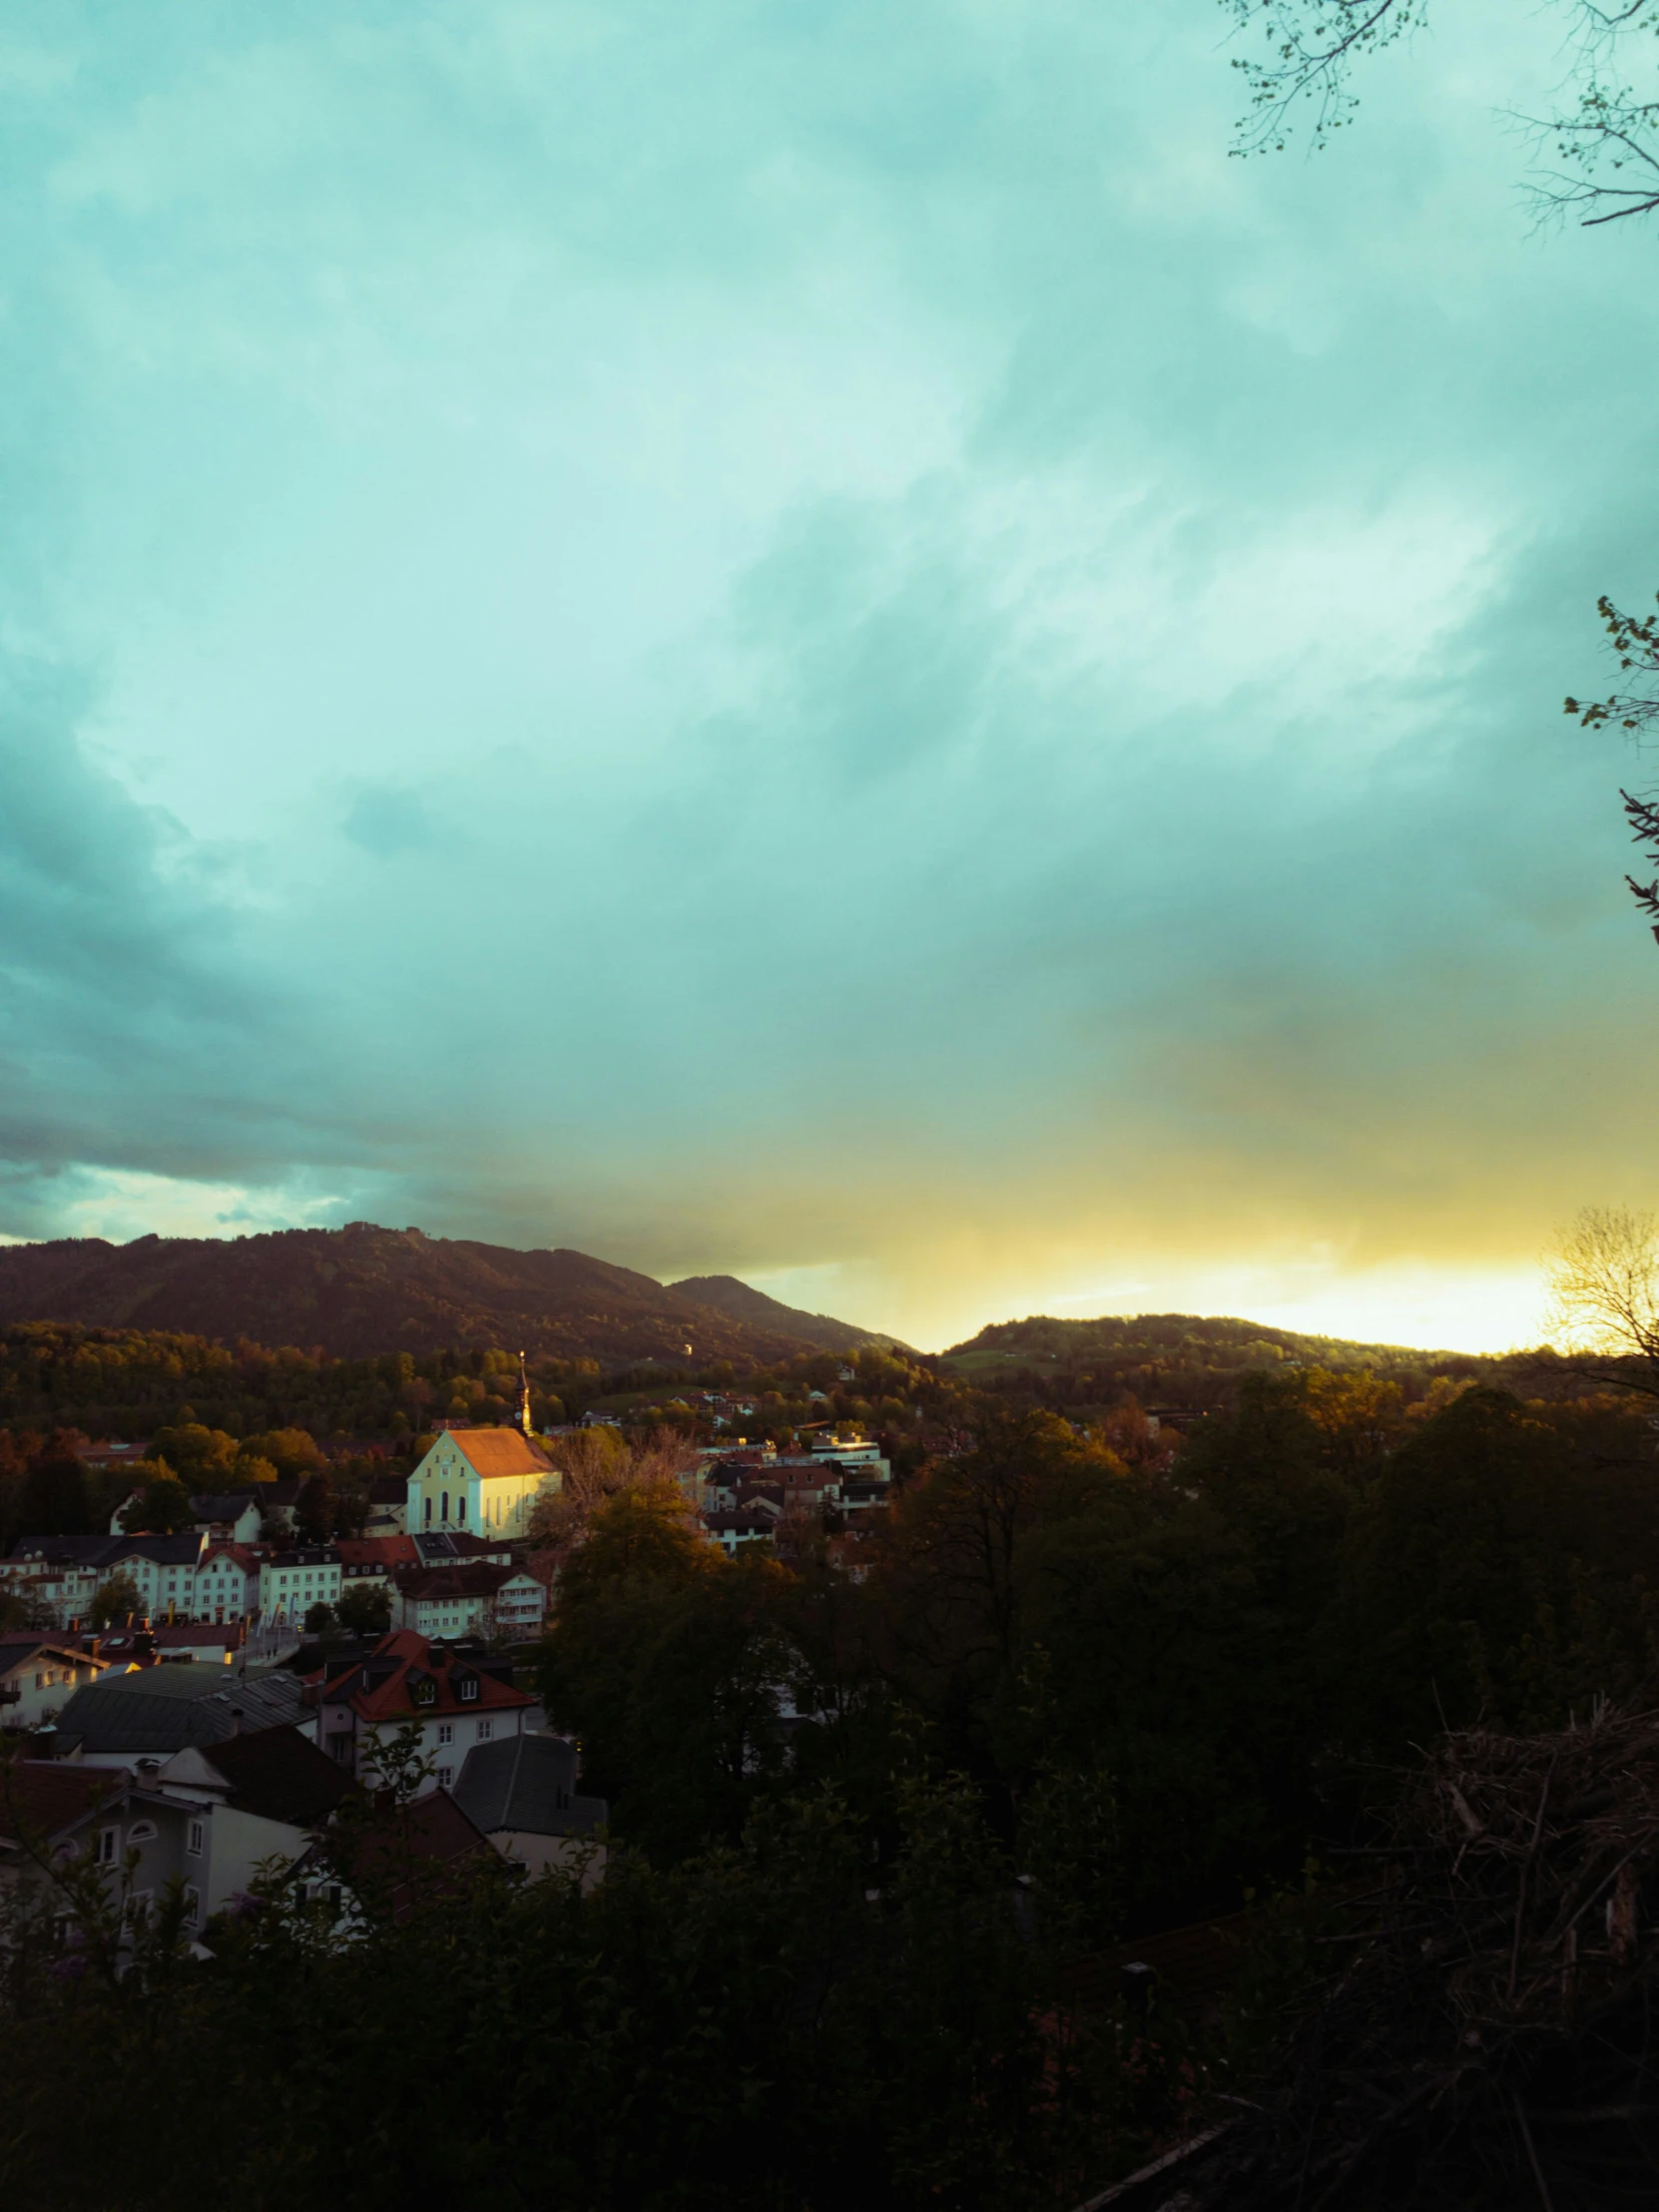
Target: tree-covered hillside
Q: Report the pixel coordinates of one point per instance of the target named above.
(1184, 1361)
(362, 1290)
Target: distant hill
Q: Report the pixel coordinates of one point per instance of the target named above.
(360, 1291)
(1182, 1359)
(728, 1296)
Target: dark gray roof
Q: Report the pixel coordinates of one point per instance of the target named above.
(85, 1551)
(222, 1506)
(527, 1784)
(181, 1550)
(161, 1709)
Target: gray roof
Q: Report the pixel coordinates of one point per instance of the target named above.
(527, 1784)
(223, 1504)
(103, 1551)
(161, 1709)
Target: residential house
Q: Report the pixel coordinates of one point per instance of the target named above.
(291, 1582)
(234, 1517)
(258, 1798)
(522, 1794)
(754, 1522)
(451, 1699)
(38, 1676)
(388, 1499)
(478, 1482)
(473, 1599)
(110, 1457)
(52, 1813)
(203, 1820)
(416, 1853)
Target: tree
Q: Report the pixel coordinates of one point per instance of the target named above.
(1606, 146)
(320, 1618)
(292, 1451)
(203, 1458)
(115, 1600)
(315, 1508)
(1604, 1296)
(365, 1611)
(1607, 138)
(56, 1498)
(163, 1504)
(598, 1463)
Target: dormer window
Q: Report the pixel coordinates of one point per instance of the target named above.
(469, 1690)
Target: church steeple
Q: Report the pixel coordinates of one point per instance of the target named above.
(523, 1396)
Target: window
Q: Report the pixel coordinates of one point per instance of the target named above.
(198, 1836)
(460, 1509)
(192, 1906)
(105, 1848)
(486, 1729)
(469, 1692)
(446, 1776)
(143, 1833)
(446, 1732)
(428, 1515)
(445, 1512)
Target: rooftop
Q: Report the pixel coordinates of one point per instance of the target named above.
(527, 1784)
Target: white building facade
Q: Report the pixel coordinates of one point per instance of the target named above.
(478, 1482)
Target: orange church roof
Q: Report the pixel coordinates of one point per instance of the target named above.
(499, 1451)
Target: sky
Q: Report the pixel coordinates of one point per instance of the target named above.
(817, 641)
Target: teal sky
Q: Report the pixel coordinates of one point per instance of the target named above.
(814, 640)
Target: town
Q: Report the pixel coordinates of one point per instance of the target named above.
(208, 1690)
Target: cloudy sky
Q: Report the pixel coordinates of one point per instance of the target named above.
(813, 639)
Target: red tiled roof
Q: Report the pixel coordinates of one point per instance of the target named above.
(48, 1797)
(244, 1557)
(381, 1688)
(425, 1840)
(477, 1580)
(382, 1552)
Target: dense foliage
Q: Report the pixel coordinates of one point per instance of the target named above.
(1081, 1684)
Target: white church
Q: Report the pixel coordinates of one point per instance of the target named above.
(480, 1481)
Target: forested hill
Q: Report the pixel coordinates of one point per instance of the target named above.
(743, 1304)
(1182, 1359)
(363, 1290)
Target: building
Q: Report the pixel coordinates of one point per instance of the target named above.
(389, 1496)
(235, 1516)
(370, 1562)
(476, 1598)
(449, 1699)
(38, 1677)
(477, 1482)
(455, 1550)
(154, 1711)
(205, 1818)
(227, 1583)
(754, 1523)
(254, 1800)
(291, 1582)
(60, 1575)
(522, 1795)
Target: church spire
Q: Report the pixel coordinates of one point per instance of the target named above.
(523, 1396)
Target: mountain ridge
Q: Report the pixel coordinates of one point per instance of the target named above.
(729, 1294)
(363, 1290)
